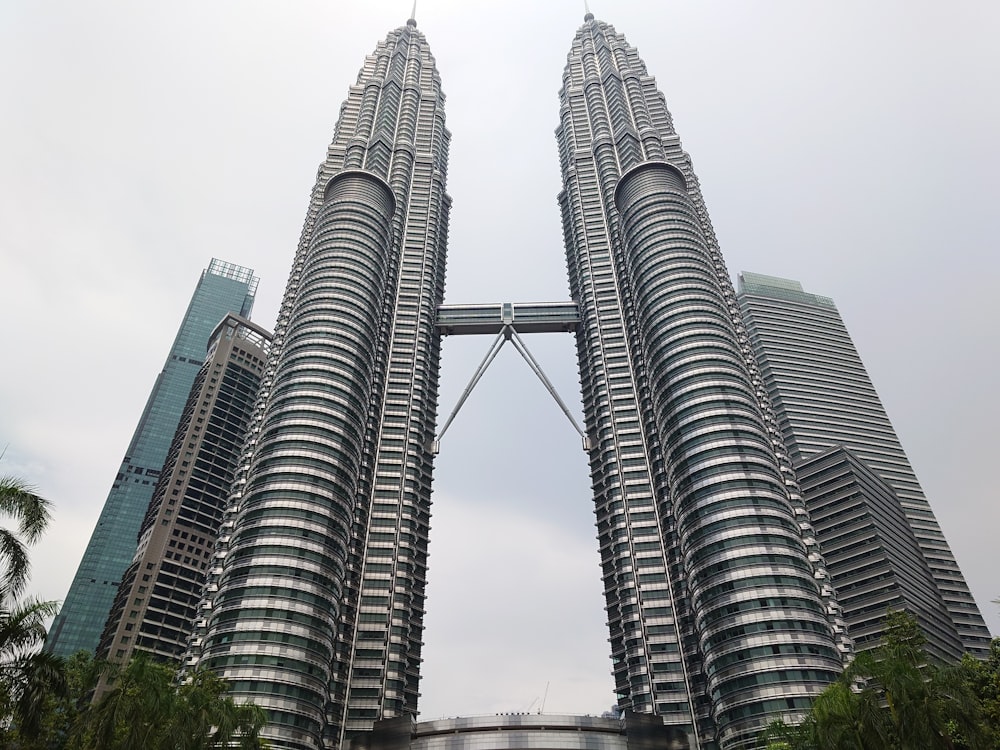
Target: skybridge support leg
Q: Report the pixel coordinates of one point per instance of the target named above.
(536, 368)
(508, 333)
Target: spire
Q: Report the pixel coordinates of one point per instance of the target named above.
(413, 15)
(588, 16)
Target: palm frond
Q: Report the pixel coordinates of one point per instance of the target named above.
(20, 501)
(14, 558)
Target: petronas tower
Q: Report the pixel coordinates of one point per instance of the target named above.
(720, 613)
(316, 599)
(719, 609)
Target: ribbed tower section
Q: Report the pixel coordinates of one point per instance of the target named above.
(314, 609)
(714, 590)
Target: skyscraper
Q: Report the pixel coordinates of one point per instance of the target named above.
(318, 614)
(714, 585)
(823, 397)
(222, 288)
(720, 611)
(157, 599)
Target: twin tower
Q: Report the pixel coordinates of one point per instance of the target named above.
(720, 613)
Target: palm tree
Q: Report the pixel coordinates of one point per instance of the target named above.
(145, 710)
(847, 719)
(894, 697)
(783, 736)
(134, 713)
(26, 674)
(31, 512)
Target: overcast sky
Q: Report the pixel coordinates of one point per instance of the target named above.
(850, 145)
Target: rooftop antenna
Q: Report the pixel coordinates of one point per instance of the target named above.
(588, 16)
(413, 13)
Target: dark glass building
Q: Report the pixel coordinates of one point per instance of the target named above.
(222, 288)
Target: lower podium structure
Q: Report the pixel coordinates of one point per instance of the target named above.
(525, 732)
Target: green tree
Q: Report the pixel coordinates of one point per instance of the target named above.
(27, 675)
(984, 680)
(59, 712)
(145, 710)
(847, 719)
(926, 705)
(781, 736)
(894, 698)
(31, 513)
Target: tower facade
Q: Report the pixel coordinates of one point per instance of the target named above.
(222, 288)
(315, 601)
(823, 397)
(158, 597)
(717, 599)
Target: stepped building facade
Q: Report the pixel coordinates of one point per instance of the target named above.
(316, 595)
(720, 611)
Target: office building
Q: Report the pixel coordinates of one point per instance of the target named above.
(222, 288)
(823, 398)
(872, 555)
(158, 597)
(720, 612)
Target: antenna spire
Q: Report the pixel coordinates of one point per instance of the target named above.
(588, 15)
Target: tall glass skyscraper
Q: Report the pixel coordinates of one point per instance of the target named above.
(222, 288)
(720, 611)
(823, 397)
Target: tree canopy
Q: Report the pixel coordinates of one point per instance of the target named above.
(894, 698)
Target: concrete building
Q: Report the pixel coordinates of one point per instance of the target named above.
(536, 731)
(158, 597)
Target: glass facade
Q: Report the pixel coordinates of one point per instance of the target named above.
(823, 397)
(222, 288)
